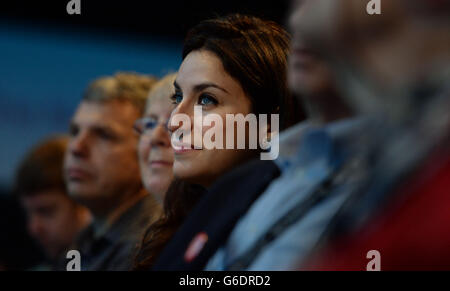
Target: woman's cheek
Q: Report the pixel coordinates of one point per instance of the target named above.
(143, 151)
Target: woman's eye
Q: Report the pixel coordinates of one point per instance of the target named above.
(150, 124)
(207, 100)
(177, 98)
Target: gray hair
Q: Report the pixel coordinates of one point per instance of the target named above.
(124, 86)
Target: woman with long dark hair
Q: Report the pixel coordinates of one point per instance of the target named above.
(231, 65)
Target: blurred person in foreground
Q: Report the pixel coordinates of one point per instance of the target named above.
(396, 67)
(102, 171)
(53, 218)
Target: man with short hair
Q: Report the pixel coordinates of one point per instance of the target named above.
(53, 218)
(102, 171)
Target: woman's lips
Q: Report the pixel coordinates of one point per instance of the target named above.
(181, 148)
(160, 164)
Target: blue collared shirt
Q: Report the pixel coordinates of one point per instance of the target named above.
(308, 155)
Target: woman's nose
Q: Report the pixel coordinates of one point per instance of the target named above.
(160, 136)
(179, 117)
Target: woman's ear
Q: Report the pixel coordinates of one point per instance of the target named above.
(269, 124)
(269, 138)
(268, 129)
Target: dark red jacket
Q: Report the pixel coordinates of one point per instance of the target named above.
(413, 233)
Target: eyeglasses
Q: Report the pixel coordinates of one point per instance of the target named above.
(147, 124)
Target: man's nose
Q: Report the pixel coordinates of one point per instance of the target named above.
(35, 226)
(78, 145)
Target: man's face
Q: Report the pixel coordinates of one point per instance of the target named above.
(373, 55)
(101, 163)
(52, 220)
(383, 47)
(308, 74)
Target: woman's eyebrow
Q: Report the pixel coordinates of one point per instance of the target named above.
(202, 86)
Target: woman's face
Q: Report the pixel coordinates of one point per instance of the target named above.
(203, 81)
(155, 151)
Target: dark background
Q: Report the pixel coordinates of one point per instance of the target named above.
(144, 18)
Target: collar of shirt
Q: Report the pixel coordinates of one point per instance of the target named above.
(134, 220)
(306, 143)
(128, 227)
